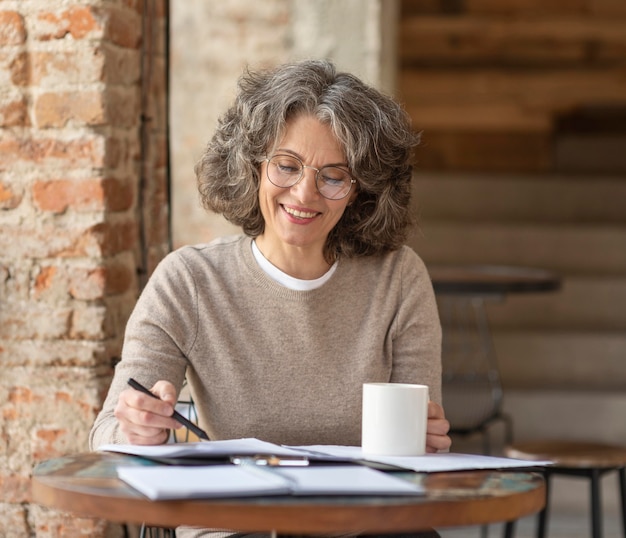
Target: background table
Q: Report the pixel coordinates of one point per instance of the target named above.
(471, 385)
(87, 484)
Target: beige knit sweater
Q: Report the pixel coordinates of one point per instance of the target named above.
(273, 363)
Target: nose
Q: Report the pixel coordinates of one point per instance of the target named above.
(306, 188)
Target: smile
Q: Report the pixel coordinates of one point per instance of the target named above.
(299, 214)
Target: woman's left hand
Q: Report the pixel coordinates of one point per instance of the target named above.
(437, 439)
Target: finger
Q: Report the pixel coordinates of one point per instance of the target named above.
(438, 426)
(437, 443)
(435, 410)
(144, 436)
(135, 399)
(141, 410)
(165, 391)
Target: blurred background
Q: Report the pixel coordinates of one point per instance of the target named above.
(106, 105)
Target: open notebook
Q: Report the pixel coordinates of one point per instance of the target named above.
(161, 482)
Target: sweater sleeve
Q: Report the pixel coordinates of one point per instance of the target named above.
(161, 329)
(417, 340)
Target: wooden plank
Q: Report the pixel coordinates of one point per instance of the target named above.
(533, 90)
(561, 360)
(517, 198)
(585, 250)
(431, 40)
(589, 304)
(485, 151)
(579, 7)
(497, 116)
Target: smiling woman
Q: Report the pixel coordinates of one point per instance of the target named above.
(278, 329)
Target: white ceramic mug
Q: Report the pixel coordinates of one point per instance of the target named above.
(394, 419)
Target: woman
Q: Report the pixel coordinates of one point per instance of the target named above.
(276, 330)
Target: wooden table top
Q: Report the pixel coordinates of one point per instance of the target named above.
(87, 484)
(486, 279)
(571, 454)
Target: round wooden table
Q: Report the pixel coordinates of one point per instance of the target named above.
(485, 280)
(87, 484)
(471, 385)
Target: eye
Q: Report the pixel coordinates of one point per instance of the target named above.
(286, 165)
(334, 176)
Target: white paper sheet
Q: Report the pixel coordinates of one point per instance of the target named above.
(429, 463)
(205, 449)
(182, 482)
(214, 450)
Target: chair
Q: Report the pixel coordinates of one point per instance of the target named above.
(471, 386)
(576, 458)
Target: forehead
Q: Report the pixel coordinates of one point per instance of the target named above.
(307, 136)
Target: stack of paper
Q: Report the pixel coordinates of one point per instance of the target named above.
(178, 482)
(224, 451)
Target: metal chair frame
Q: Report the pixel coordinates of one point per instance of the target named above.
(470, 369)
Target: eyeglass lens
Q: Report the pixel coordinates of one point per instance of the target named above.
(332, 182)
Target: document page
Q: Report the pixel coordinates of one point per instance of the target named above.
(428, 463)
(205, 449)
(183, 482)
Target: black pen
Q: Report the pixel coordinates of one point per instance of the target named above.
(180, 418)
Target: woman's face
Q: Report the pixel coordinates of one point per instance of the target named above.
(300, 216)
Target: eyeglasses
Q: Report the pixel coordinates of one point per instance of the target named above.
(332, 182)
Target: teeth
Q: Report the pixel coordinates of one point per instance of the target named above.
(300, 214)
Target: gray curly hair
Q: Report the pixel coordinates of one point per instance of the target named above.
(373, 129)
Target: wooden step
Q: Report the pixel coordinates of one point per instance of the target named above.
(561, 360)
(581, 304)
(584, 250)
(582, 8)
(434, 97)
(547, 198)
(522, 40)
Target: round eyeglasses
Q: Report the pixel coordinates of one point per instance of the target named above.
(332, 182)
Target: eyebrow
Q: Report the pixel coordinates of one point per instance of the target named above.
(295, 154)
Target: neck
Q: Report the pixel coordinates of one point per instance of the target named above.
(298, 262)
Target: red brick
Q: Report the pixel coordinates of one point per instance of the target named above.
(45, 278)
(15, 488)
(88, 284)
(54, 524)
(119, 194)
(13, 68)
(122, 106)
(12, 30)
(124, 28)
(13, 112)
(113, 238)
(61, 109)
(84, 151)
(80, 66)
(120, 278)
(58, 196)
(10, 197)
(122, 66)
(89, 323)
(50, 442)
(78, 21)
(20, 395)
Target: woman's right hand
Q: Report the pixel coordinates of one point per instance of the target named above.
(145, 420)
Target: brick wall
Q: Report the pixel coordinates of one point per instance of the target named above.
(83, 219)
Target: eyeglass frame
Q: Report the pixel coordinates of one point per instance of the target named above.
(317, 171)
